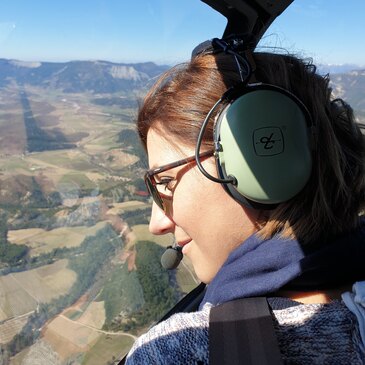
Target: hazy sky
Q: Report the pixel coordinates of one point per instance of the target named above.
(165, 31)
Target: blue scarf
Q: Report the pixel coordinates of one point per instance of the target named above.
(260, 267)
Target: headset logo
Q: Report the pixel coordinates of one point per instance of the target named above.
(268, 141)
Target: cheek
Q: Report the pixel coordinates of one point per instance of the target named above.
(186, 203)
(189, 197)
(195, 203)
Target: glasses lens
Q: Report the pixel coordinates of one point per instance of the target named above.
(151, 187)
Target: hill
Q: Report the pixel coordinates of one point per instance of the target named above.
(350, 86)
(79, 76)
(103, 77)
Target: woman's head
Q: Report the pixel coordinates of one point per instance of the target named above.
(329, 204)
(205, 221)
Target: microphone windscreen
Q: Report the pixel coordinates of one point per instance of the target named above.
(171, 258)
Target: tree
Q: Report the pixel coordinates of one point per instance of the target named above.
(3, 227)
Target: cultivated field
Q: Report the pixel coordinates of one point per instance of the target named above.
(41, 241)
(85, 338)
(120, 208)
(41, 353)
(94, 315)
(97, 155)
(108, 348)
(20, 293)
(141, 232)
(12, 326)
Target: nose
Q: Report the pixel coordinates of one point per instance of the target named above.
(160, 223)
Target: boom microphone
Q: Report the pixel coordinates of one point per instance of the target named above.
(172, 257)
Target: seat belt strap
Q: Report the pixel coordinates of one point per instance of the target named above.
(241, 332)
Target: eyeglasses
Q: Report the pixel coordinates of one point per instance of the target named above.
(159, 190)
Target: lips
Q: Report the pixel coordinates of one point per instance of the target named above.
(183, 243)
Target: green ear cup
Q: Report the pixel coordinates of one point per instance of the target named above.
(264, 138)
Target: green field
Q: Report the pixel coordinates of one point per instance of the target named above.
(186, 278)
(14, 163)
(41, 241)
(73, 314)
(22, 292)
(143, 234)
(77, 178)
(108, 348)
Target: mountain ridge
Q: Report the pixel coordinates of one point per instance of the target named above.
(106, 77)
(333, 69)
(80, 76)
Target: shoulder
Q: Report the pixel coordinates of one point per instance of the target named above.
(306, 333)
(316, 333)
(181, 339)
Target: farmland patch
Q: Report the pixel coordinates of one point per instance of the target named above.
(41, 241)
(21, 292)
(108, 348)
(142, 233)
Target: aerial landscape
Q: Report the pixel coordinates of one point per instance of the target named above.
(80, 275)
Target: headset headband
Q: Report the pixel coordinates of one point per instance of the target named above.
(235, 42)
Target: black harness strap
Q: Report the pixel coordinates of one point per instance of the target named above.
(241, 332)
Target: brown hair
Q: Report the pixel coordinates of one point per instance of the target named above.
(331, 201)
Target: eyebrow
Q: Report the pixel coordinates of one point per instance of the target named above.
(172, 165)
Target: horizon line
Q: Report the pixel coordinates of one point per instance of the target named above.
(157, 63)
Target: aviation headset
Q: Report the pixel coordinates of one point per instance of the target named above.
(262, 139)
(262, 135)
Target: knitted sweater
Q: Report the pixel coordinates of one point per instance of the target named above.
(307, 334)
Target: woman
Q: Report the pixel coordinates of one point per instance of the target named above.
(301, 250)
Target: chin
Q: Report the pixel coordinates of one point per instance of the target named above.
(204, 277)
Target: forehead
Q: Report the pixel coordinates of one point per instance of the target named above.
(162, 151)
